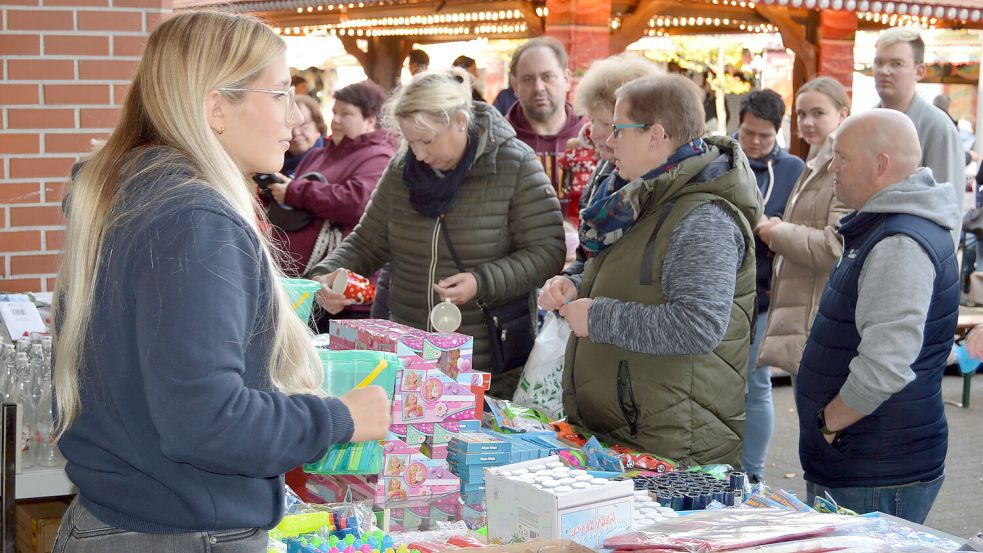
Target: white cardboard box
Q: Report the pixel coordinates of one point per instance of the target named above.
(518, 511)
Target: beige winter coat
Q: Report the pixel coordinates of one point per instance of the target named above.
(806, 247)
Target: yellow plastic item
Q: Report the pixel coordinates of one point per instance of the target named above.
(295, 525)
(381, 366)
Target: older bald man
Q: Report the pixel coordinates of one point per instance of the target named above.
(872, 429)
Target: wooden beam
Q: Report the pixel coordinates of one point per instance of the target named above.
(351, 46)
(634, 25)
(533, 21)
(794, 37)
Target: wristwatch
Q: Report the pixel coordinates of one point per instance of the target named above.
(821, 422)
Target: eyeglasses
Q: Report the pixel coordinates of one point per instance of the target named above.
(891, 66)
(601, 125)
(290, 94)
(618, 127)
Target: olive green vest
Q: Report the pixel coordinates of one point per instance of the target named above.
(689, 407)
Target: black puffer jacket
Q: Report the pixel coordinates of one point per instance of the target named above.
(506, 225)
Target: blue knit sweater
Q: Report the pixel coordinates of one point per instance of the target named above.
(180, 428)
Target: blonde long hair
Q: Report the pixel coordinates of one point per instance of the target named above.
(186, 57)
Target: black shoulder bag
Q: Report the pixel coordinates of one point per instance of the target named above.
(511, 330)
(287, 219)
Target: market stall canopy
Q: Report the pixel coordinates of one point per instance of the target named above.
(441, 20)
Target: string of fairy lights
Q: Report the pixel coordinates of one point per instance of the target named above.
(513, 21)
(491, 22)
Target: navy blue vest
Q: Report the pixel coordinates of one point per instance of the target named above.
(905, 439)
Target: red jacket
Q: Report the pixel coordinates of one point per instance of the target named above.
(352, 169)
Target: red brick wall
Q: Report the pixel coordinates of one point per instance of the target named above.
(65, 66)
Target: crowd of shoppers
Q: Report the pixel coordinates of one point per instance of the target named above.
(701, 263)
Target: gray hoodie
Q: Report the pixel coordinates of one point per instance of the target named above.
(895, 288)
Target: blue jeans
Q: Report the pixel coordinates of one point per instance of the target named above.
(908, 501)
(82, 532)
(758, 407)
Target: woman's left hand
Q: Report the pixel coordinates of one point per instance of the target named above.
(575, 313)
(763, 230)
(278, 188)
(460, 288)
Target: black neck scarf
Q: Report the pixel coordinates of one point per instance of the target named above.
(430, 194)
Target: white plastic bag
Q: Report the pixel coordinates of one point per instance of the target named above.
(541, 384)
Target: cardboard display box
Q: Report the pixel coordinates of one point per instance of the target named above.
(518, 511)
(37, 524)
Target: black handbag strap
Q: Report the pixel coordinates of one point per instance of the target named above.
(450, 245)
(313, 175)
(457, 258)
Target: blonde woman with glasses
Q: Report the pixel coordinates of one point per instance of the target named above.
(185, 384)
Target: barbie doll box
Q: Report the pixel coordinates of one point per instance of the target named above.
(408, 473)
(425, 394)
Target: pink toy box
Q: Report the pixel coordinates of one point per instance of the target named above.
(425, 394)
(450, 351)
(408, 473)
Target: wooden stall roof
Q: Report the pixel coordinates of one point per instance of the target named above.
(439, 20)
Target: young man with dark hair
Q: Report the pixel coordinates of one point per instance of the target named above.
(776, 172)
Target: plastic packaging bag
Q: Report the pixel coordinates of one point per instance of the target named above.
(729, 529)
(541, 383)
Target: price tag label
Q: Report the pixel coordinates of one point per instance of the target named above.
(20, 317)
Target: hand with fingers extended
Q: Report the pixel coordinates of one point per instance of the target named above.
(332, 302)
(557, 292)
(371, 412)
(460, 288)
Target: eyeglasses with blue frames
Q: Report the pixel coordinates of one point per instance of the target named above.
(290, 95)
(618, 127)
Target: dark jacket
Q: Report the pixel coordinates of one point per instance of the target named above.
(905, 438)
(549, 147)
(503, 102)
(290, 162)
(352, 169)
(506, 226)
(180, 429)
(776, 174)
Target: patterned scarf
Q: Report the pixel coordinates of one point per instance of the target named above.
(614, 206)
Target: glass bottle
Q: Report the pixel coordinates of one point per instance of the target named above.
(48, 454)
(8, 371)
(25, 407)
(35, 361)
(46, 349)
